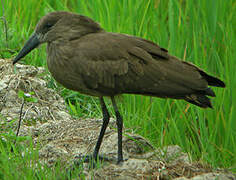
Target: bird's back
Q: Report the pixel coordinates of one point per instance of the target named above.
(105, 64)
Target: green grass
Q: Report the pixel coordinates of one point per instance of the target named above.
(202, 32)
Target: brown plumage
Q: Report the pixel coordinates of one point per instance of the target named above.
(84, 57)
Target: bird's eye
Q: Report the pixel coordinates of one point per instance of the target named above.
(45, 27)
(48, 25)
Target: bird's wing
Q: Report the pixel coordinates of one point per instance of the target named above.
(116, 63)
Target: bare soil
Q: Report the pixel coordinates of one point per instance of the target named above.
(62, 137)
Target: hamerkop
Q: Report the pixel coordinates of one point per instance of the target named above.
(83, 57)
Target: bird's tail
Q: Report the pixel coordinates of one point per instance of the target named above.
(199, 100)
(200, 97)
(212, 81)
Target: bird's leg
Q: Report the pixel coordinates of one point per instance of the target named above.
(95, 156)
(119, 123)
(106, 118)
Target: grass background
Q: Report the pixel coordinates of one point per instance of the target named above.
(202, 32)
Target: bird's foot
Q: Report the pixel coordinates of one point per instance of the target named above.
(92, 160)
(88, 158)
(95, 161)
(121, 160)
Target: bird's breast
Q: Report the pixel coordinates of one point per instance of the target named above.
(66, 71)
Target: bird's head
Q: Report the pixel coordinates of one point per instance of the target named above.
(58, 26)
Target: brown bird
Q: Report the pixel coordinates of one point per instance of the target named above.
(83, 57)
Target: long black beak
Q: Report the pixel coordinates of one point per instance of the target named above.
(32, 43)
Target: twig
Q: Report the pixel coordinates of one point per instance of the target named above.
(27, 111)
(19, 123)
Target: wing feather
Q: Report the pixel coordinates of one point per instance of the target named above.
(115, 63)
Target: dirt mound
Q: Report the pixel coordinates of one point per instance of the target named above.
(65, 138)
